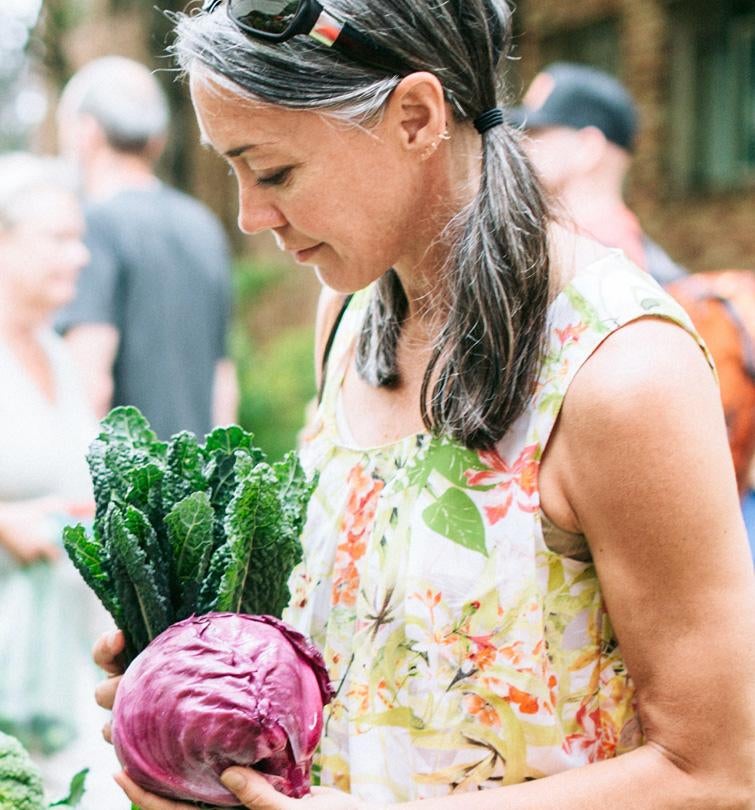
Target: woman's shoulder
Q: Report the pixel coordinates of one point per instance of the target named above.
(613, 335)
(601, 289)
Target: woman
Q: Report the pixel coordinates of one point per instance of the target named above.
(49, 618)
(509, 442)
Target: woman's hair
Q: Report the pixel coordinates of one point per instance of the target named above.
(495, 289)
(23, 175)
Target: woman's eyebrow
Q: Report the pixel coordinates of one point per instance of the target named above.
(239, 150)
(236, 151)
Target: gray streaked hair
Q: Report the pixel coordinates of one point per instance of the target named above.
(123, 97)
(495, 286)
(22, 175)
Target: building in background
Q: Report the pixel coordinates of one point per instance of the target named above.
(690, 64)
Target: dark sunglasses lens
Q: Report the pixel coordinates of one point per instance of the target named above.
(269, 16)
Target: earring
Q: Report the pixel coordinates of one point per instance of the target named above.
(432, 148)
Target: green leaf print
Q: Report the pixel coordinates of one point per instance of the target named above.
(451, 461)
(586, 311)
(402, 716)
(455, 516)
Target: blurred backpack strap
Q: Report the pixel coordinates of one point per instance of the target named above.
(329, 344)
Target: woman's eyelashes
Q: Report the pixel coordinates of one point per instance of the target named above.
(276, 178)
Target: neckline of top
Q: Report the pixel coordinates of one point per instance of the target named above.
(329, 409)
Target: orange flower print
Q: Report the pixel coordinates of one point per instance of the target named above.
(570, 333)
(597, 738)
(518, 480)
(484, 656)
(480, 709)
(354, 528)
(527, 703)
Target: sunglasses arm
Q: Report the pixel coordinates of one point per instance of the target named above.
(341, 35)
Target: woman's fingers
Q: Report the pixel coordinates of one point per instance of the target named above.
(254, 791)
(104, 692)
(148, 801)
(106, 649)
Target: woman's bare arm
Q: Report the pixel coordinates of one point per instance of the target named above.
(651, 483)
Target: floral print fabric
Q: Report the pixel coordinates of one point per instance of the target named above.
(465, 653)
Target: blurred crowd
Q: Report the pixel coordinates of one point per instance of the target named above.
(115, 290)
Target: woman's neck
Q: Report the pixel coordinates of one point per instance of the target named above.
(451, 182)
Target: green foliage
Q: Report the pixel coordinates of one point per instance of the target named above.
(277, 382)
(184, 528)
(252, 278)
(20, 781)
(272, 344)
(76, 791)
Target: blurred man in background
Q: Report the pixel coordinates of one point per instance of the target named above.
(150, 320)
(582, 126)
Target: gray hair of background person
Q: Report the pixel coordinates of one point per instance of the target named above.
(495, 288)
(22, 177)
(123, 97)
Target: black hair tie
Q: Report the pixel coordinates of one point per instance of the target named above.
(487, 120)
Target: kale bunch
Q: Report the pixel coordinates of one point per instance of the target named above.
(184, 528)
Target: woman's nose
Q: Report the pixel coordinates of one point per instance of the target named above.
(256, 214)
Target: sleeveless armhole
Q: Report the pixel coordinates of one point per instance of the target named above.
(329, 346)
(599, 301)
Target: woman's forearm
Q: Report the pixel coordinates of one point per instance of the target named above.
(644, 779)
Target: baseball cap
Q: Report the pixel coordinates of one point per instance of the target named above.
(565, 94)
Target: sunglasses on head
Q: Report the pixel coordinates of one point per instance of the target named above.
(280, 20)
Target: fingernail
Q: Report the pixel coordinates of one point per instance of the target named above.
(114, 638)
(233, 780)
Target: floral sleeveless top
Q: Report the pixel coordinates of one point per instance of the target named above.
(465, 654)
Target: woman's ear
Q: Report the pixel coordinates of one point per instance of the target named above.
(416, 113)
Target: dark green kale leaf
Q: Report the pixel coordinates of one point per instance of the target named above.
(222, 559)
(254, 512)
(91, 560)
(140, 527)
(125, 441)
(220, 451)
(254, 492)
(294, 491)
(277, 547)
(189, 527)
(183, 474)
(145, 608)
(144, 483)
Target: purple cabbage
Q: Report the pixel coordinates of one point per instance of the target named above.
(218, 690)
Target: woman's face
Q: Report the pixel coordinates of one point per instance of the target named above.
(336, 197)
(42, 254)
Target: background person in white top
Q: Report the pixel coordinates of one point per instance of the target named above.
(48, 618)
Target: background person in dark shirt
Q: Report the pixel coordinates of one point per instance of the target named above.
(582, 125)
(149, 322)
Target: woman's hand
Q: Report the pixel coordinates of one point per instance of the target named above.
(105, 653)
(254, 792)
(25, 529)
